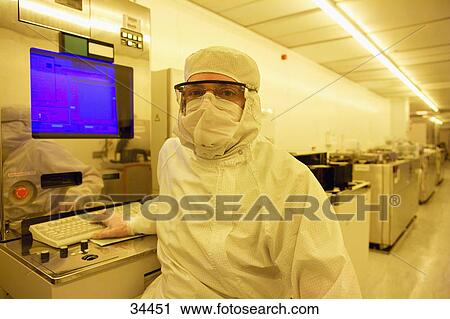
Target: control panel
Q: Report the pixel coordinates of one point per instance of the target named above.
(131, 38)
(83, 249)
(60, 261)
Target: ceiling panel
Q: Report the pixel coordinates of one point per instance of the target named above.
(322, 34)
(432, 79)
(436, 86)
(414, 107)
(394, 41)
(391, 86)
(295, 23)
(379, 74)
(442, 95)
(264, 10)
(443, 103)
(368, 62)
(377, 15)
(420, 53)
(430, 36)
(432, 58)
(419, 72)
(332, 50)
(221, 5)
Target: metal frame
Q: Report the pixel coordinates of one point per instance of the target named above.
(17, 37)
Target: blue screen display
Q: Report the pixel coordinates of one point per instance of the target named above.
(72, 95)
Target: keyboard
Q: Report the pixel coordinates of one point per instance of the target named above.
(70, 230)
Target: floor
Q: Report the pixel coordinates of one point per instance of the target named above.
(419, 264)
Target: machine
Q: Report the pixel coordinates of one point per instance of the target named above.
(429, 177)
(78, 74)
(312, 158)
(398, 181)
(440, 163)
(332, 173)
(75, 76)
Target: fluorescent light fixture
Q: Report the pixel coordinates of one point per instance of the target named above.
(330, 9)
(436, 120)
(421, 112)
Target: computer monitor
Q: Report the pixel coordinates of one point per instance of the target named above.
(78, 97)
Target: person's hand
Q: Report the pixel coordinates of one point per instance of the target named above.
(115, 226)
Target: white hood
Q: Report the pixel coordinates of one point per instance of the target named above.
(243, 69)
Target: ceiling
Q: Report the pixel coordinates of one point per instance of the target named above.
(416, 33)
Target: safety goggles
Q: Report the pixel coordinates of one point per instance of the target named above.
(225, 90)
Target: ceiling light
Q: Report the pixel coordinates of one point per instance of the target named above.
(359, 36)
(436, 120)
(421, 112)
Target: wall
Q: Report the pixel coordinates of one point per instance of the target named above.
(425, 132)
(418, 132)
(399, 118)
(342, 111)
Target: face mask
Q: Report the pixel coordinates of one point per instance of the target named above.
(210, 123)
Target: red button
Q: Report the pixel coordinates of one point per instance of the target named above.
(21, 192)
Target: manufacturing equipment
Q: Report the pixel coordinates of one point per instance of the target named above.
(394, 192)
(332, 175)
(440, 163)
(76, 74)
(430, 171)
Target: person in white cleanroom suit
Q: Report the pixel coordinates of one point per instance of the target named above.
(25, 159)
(218, 151)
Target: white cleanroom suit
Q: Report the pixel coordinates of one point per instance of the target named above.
(290, 258)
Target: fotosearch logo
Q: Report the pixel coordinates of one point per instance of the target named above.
(231, 207)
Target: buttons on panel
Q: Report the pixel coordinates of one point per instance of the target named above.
(63, 252)
(21, 192)
(132, 39)
(45, 256)
(84, 245)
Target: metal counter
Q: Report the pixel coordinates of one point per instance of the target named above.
(114, 271)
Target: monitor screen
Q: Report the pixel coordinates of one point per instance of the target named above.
(75, 96)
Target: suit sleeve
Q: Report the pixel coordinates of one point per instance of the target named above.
(321, 266)
(309, 248)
